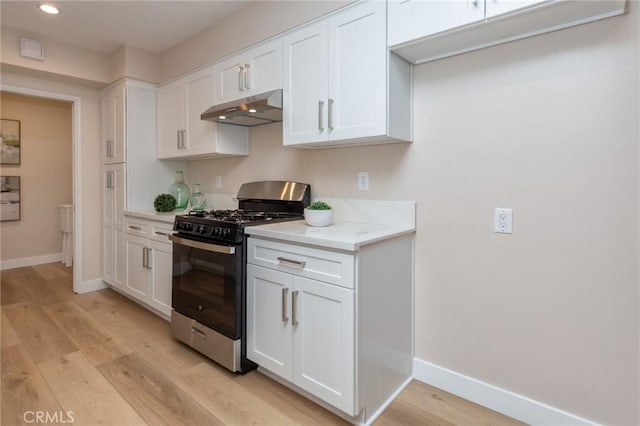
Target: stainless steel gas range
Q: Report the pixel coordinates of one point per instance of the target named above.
(209, 262)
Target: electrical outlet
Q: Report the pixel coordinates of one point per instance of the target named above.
(218, 182)
(503, 221)
(363, 181)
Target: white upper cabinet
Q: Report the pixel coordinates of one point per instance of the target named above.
(341, 86)
(181, 132)
(114, 120)
(434, 16)
(252, 72)
(426, 30)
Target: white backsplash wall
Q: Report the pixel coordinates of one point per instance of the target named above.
(331, 172)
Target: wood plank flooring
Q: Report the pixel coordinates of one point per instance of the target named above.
(106, 360)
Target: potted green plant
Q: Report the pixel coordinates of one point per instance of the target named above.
(318, 213)
(164, 203)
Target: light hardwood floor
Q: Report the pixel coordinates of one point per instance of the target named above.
(99, 358)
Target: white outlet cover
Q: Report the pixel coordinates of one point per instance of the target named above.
(363, 181)
(503, 221)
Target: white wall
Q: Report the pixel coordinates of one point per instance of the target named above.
(45, 172)
(251, 24)
(547, 126)
(90, 179)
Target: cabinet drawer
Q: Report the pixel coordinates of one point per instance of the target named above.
(158, 231)
(138, 227)
(322, 265)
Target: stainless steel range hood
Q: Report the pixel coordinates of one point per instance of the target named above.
(252, 111)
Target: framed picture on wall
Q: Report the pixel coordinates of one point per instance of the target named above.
(9, 198)
(10, 137)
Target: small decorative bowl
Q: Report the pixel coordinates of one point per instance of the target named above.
(318, 217)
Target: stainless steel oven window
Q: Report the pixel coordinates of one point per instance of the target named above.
(207, 287)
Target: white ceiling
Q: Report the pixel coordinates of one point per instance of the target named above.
(104, 26)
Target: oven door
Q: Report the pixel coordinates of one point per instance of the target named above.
(207, 284)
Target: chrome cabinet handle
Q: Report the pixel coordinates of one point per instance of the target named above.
(247, 80)
(161, 233)
(184, 138)
(330, 113)
(320, 107)
(299, 263)
(178, 133)
(294, 308)
(198, 332)
(285, 291)
(149, 265)
(110, 184)
(136, 228)
(109, 148)
(144, 257)
(240, 72)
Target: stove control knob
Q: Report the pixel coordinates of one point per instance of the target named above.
(217, 231)
(204, 229)
(226, 233)
(188, 226)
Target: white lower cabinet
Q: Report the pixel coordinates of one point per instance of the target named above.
(333, 325)
(149, 260)
(303, 330)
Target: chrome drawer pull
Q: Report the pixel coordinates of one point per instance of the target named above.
(137, 228)
(161, 233)
(299, 263)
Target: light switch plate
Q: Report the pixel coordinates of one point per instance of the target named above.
(503, 221)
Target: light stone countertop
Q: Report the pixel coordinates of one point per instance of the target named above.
(356, 223)
(349, 236)
(168, 217)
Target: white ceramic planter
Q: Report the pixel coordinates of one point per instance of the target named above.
(318, 217)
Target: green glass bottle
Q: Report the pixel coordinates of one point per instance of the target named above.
(197, 198)
(180, 191)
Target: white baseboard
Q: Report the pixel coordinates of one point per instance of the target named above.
(90, 285)
(503, 401)
(30, 261)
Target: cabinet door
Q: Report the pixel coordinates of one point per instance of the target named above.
(413, 19)
(113, 202)
(250, 73)
(171, 120)
(498, 7)
(108, 128)
(229, 79)
(200, 136)
(113, 121)
(357, 103)
(269, 319)
(323, 322)
(305, 85)
(160, 264)
(138, 276)
(263, 68)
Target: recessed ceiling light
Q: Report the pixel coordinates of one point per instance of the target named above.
(50, 9)
(252, 110)
(222, 117)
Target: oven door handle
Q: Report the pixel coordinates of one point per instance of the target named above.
(203, 246)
